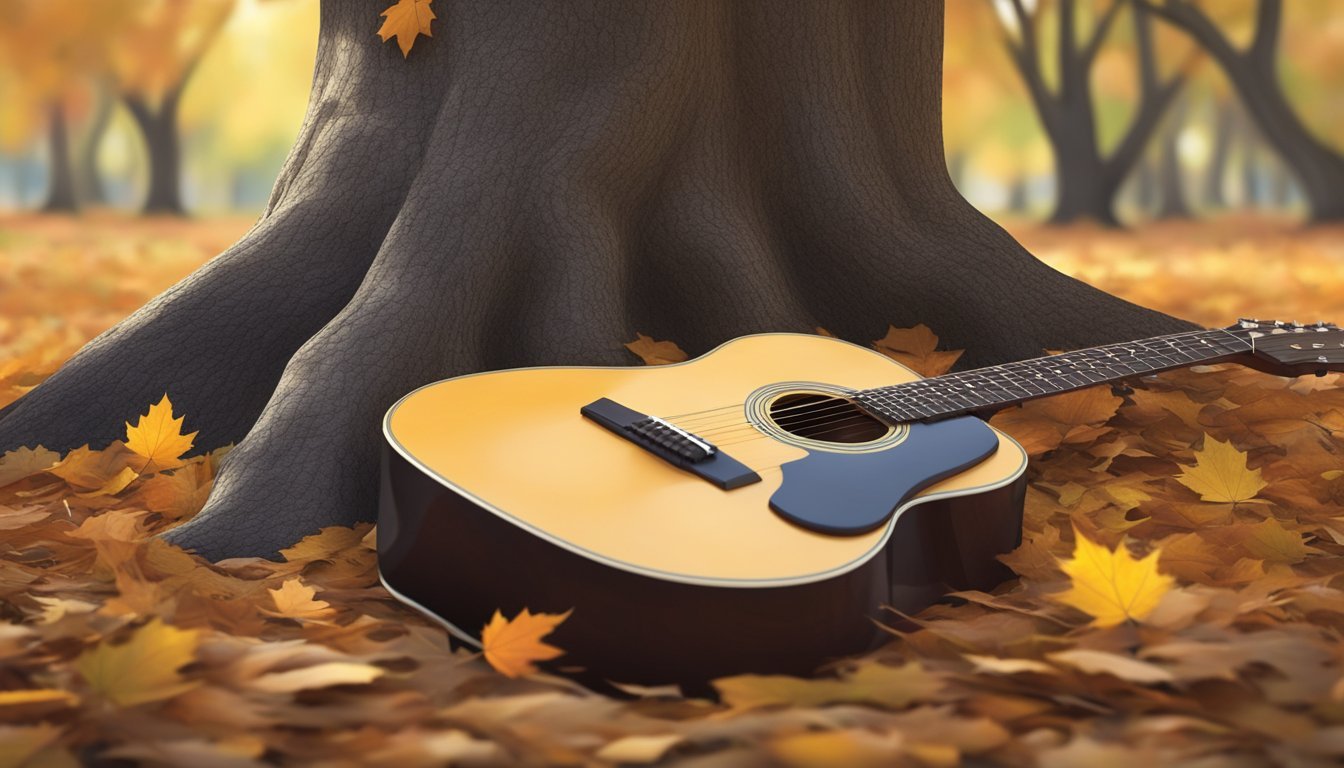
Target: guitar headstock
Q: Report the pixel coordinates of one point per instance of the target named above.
(1292, 349)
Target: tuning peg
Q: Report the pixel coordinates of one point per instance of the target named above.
(1247, 322)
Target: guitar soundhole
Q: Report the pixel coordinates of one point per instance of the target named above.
(826, 418)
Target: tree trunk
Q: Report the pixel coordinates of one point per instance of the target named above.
(1145, 186)
(1215, 180)
(522, 190)
(87, 181)
(158, 126)
(60, 175)
(1171, 201)
(1018, 203)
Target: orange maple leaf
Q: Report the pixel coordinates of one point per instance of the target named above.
(405, 21)
(512, 645)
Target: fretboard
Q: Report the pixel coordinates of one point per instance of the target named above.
(988, 389)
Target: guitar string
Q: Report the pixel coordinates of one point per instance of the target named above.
(1192, 337)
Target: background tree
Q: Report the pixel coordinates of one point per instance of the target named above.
(163, 42)
(1253, 71)
(521, 189)
(1087, 179)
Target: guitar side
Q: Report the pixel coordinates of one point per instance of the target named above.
(670, 578)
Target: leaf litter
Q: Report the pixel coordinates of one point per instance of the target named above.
(1179, 599)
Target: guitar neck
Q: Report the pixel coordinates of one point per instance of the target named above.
(990, 389)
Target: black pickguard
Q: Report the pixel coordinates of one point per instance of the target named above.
(851, 493)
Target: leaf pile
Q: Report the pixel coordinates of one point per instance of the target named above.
(1179, 599)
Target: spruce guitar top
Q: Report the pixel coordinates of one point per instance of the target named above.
(749, 510)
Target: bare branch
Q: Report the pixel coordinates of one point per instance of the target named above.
(1099, 32)
(1268, 22)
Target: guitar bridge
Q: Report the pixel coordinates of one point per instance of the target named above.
(672, 444)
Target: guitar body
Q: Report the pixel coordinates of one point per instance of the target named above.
(498, 494)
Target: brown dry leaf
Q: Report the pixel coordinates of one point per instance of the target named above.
(1045, 424)
(872, 683)
(323, 675)
(1220, 474)
(1103, 663)
(851, 747)
(142, 669)
(917, 349)
(405, 21)
(89, 470)
(177, 494)
(25, 462)
(157, 438)
(1112, 586)
(639, 749)
(512, 646)
(656, 352)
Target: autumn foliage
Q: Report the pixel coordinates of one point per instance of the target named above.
(1179, 591)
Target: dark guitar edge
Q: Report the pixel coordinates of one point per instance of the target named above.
(443, 553)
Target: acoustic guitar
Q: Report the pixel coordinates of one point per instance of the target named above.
(749, 510)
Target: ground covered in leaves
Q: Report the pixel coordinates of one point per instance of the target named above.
(1180, 594)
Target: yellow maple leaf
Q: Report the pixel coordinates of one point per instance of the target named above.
(1220, 473)
(157, 437)
(655, 352)
(512, 645)
(1112, 586)
(406, 20)
(296, 600)
(917, 349)
(142, 669)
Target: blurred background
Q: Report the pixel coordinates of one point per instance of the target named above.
(1184, 154)
(189, 106)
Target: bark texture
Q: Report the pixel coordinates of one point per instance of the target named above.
(536, 183)
(1253, 73)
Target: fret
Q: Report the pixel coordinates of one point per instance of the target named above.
(998, 386)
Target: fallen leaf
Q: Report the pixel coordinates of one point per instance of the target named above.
(513, 645)
(656, 352)
(1220, 473)
(322, 675)
(142, 669)
(17, 464)
(157, 438)
(1102, 663)
(639, 749)
(871, 683)
(406, 20)
(295, 600)
(1111, 585)
(917, 349)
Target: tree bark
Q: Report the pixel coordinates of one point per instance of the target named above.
(158, 127)
(60, 175)
(535, 184)
(1253, 73)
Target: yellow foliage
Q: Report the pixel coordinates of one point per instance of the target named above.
(1220, 474)
(1112, 586)
(142, 669)
(157, 437)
